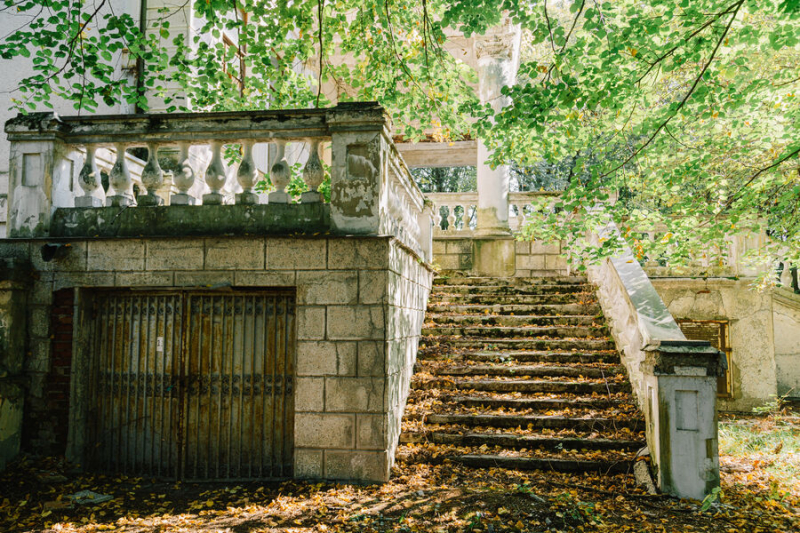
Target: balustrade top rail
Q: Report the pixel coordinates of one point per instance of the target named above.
(372, 191)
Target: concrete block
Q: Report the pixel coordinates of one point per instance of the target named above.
(310, 323)
(42, 292)
(370, 358)
(366, 253)
(316, 358)
(347, 358)
(343, 394)
(309, 394)
(183, 254)
(364, 466)
(555, 262)
(221, 278)
(326, 430)
(120, 254)
(523, 247)
(39, 321)
(461, 246)
(439, 247)
(66, 280)
(371, 432)
(144, 279)
(541, 247)
(74, 258)
(285, 278)
(296, 254)
(355, 322)
(321, 287)
(531, 262)
(234, 253)
(307, 463)
(372, 286)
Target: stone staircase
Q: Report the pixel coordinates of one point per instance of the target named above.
(520, 373)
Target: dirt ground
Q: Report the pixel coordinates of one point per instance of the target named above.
(760, 462)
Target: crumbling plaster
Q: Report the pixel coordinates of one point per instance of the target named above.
(752, 334)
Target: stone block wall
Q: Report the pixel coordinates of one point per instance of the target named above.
(750, 321)
(533, 259)
(536, 259)
(786, 323)
(360, 307)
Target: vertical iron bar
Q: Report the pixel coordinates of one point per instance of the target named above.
(211, 365)
(252, 447)
(128, 347)
(273, 379)
(285, 383)
(241, 383)
(230, 338)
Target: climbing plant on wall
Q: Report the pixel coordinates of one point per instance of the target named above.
(687, 108)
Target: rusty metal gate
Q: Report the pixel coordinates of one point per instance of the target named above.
(194, 385)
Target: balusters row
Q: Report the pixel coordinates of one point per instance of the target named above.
(216, 177)
(458, 216)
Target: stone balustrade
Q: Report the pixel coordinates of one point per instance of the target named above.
(456, 211)
(674, 379)
(372, 192)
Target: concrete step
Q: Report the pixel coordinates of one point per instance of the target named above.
(508, 332)
(512, 289)
(551, 464)
(537, 422)
(526, 385)
(478, 280)
(543, 404)
(526, 344)
(589, 309)
(529, 370)
(516, 442)
(523, 356)
(442, 320)
(514, 299)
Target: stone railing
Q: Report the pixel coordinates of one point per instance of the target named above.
(674, 379)
(455, 211)
(728, 260)
(372, 192)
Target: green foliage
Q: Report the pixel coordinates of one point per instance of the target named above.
(688, 109)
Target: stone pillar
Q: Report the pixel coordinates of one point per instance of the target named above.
(358, 167)
(494, 250)
(497, 54)
(680, 379)
(34, 164)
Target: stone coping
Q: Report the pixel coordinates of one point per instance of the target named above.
(185, 220)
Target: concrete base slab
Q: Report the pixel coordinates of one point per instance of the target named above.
(310, 197)
(494, 257)
(279, 197)
(149, 200)
(247, 198)
(88, 201)
(182, 199)
(213, 198)
(118, 200)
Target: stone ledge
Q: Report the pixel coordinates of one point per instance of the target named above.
(186, 220)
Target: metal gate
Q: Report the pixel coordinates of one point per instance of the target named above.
(194, 385)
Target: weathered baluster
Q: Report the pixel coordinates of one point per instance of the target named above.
(437, 218)
(216, 176)
(451, 217)
(120, 181)
(152, 178)
(247, 176)
(280, 176)
(89, 180)
(313, 175)
(785, 275)
(183, 179)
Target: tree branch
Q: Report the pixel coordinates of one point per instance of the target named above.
(686, 96)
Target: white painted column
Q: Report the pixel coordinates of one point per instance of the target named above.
(497, 54)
